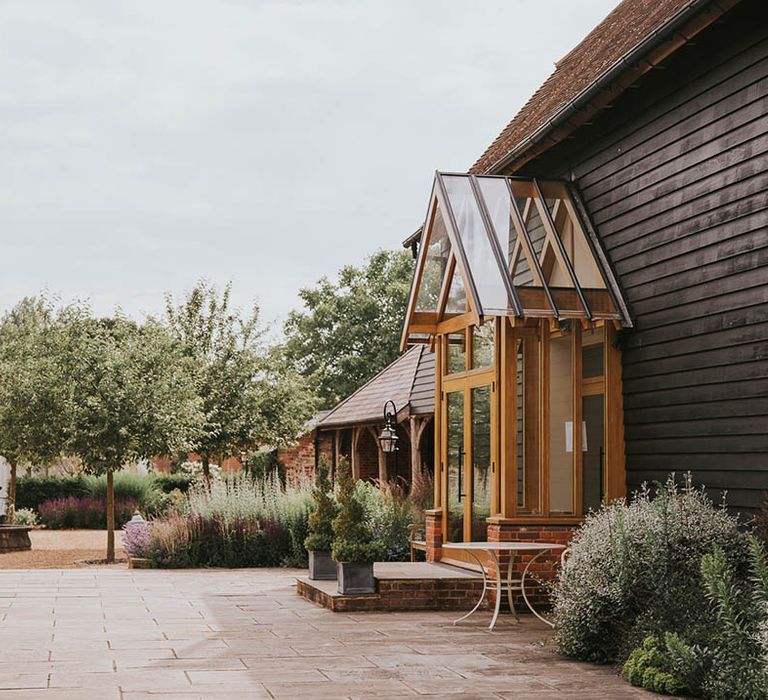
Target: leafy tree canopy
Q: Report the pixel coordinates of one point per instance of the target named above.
(249, 394)
(349, 330)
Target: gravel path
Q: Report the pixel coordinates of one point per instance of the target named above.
(62, 549)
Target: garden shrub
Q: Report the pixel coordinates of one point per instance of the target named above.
(353, 537)
(388, 511)
(320, 525)
(218, 517)
(25, 516)
(141, 488)
(635, 570)
(172, 482)
(31, 491)
(84, 512)
(212, 541)
(650, 667)
(147, 490)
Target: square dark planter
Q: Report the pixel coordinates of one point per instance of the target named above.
(355, 579)
(321, 566)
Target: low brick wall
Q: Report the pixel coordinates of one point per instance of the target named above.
(399, 594)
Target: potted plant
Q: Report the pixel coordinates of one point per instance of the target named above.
(320, 538)
(354, 547)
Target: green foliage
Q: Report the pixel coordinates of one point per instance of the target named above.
(172, 482)
(150, 491)
(354, 542)
(634, 570)
(84, 512)
(25, 516)
(350, 329)
(140, 488)
(240, 498)
(649, 667)
(737, 653)
(249, 395)
(202, 541)
(320, 528)
(389, 512)
(33, 490)
(262, 463)
(132, 394)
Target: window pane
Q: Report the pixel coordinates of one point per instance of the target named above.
(593, 353)
(471, 229)
(593, 450)
(457, 296)
(481, 461)
(438, 251)
(483, 345)
(497, 202)
(455, 466)
(457, 352)
(561, 429)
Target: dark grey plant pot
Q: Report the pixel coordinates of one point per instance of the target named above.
(321, 566)
(355, 579)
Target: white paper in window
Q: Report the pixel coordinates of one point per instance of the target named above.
(569, 436)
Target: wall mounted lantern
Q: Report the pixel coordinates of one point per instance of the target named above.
(388, 437)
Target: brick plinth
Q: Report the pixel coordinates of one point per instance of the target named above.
(399, 595)
(434, 534)
(545, 568)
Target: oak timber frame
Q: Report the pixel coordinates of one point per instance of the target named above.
(535, 337)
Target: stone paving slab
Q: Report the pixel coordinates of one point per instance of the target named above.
(220, 634)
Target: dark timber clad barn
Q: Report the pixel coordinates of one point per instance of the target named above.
(596, 288)
(675, 178)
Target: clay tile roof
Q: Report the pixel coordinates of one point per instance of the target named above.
(627, 26)
(400, 382)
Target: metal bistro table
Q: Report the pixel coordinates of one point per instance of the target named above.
(510, 584)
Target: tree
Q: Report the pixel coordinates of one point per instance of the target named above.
(32, 405)
(350, 330)
(250, 396)
(131, 396)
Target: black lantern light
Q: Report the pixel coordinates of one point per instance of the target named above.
(388, 437)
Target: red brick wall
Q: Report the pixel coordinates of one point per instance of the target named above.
(299, 459)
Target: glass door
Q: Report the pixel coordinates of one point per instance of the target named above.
(455, 466)
(469, 462)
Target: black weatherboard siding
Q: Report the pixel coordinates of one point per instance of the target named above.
(675, 177)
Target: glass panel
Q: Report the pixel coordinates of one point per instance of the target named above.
(457, 352)
(483, 345)
(455, 466)
(592, 353)
(435, 263)
(481, 461)
(496, 197)
(576, 247)
(593, 450)
(561, 435)
(457, 295)
(471, 229)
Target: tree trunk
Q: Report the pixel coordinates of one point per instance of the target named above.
(110, 517)
(206, 460)
(11, 508)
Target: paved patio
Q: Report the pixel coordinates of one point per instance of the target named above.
(111, 633)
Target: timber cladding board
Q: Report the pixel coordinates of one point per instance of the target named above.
(675, 178)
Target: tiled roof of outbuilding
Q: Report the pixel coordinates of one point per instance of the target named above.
(408, 381)
(630, 24)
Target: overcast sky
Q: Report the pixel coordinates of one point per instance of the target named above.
(147, 144)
